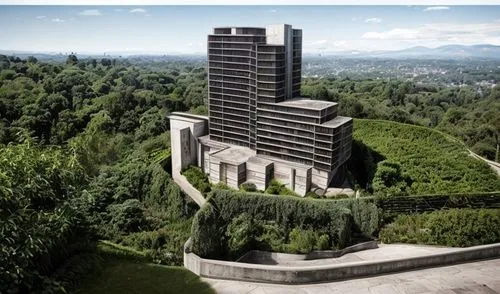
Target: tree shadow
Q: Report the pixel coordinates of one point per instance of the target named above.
(362, 165)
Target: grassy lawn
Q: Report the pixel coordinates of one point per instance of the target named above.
(125, 273)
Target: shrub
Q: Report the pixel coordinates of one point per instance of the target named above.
(241, 233)
(454, 227)
(389, 180)
(277, 188)
(301, 241)
(323, 242)
(248, 187)
(197, 178)
(325, 217)
(206, 232)
(271, 238)
(128, 217)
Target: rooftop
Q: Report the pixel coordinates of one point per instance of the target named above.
(336, 122)
(306, 103)
(234, 154)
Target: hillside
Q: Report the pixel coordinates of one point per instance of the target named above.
(433, 162)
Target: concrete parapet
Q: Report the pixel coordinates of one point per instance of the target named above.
(278, 274)
(267, 257)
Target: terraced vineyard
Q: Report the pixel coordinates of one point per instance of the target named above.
(432, 162)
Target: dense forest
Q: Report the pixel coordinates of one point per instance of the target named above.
(85, 156)
(472, 115)
(84, 153)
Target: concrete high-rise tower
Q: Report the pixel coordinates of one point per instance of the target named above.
(259, 127)
(249, 67)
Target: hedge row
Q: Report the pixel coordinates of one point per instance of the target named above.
(337, 219)
(393, 206)
(454, 227)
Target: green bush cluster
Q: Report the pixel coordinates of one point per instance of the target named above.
(41, 217)
(272, 219)
(248, 187)
(275, 187)
(197, 177)
(245, 233)
(454, 227)
(391, 207)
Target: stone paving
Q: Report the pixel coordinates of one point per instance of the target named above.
(475, 277)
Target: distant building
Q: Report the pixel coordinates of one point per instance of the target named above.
(259, 127)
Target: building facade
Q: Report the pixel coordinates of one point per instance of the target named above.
(259, 127)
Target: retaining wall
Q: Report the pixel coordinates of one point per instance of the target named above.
(322, 273)
(263, 257)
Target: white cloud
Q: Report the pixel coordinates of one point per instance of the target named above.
(118, 9)
(137, 10)
(90, 12)
(57, 20)
(340, 44)
(373, 20)
(442, 33)
(273, 10)
(41, 17)
(319, 42)
(435, 8)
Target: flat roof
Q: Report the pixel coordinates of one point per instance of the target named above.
(336, 122)
(259, 160)
(188, 119)
(205, 140)
(190, 115)
(306, 103)
(234, 154)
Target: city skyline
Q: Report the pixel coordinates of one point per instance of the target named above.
(176, 29)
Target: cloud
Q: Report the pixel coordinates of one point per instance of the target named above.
(273, 10)
(436, 8)
(342, 44)
(441, 32)
(137, 10)
(319, 42)
(90, 12)
(373, 20)
(57, 20)
(41, 17)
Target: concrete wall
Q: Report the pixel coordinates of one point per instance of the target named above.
(266, 257)
(322, 273)
(259, 174)
(184, 132)
(321, 178)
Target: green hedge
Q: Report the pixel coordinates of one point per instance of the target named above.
(394, 206)
(331, 218)
(454, 227)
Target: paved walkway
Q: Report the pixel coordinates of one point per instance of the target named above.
(384, 252)
(475, 277)
(187, 188)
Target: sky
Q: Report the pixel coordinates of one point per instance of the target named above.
(184, 29)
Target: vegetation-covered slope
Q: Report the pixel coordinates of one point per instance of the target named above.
(418, 160)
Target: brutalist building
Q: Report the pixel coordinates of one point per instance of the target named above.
(259, 127)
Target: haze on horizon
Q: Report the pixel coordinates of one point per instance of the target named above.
(183, 29)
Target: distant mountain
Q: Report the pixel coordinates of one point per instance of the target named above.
(420, 52)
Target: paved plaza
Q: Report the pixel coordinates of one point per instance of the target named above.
(475, 277)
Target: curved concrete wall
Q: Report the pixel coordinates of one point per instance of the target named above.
(321, 273)
(263, 257)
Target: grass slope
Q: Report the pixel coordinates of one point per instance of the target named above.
(435, 162)
(125, 271)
